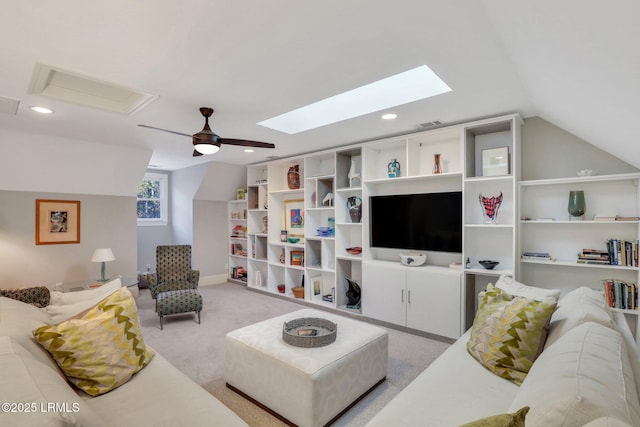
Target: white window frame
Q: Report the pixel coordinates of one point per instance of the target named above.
(164, 192)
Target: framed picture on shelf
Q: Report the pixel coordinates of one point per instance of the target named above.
(316, 284)
(57, 221)
(294, 217)
(283, 235)
(495, 161)
(297, 257)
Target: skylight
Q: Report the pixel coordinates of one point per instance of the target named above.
(408, 86)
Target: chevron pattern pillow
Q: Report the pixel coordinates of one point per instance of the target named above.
(100, 349)
(508, 333)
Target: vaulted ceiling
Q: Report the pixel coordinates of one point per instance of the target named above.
(574, 63)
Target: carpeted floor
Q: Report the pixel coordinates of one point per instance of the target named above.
(198, 350)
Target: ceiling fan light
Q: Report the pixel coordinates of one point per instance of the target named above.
(206, 147)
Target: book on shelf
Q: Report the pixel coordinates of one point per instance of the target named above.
(621, 294)
(594, 256)
(537, 258)
(627, 218)
(604, 217)
(593, 261)
(623, 252)
(537, 254)
(238, 273)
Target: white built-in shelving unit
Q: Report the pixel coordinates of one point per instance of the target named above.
(238, 242)
(434, 298)
(545, 226)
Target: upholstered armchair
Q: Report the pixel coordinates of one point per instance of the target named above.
(173, 270)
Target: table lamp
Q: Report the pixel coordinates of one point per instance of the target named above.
(102, 255)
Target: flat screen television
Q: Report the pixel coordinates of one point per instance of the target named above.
(425, 222)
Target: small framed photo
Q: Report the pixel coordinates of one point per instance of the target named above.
(297, 257)
(294, 217)
(284, 234)
(57, 222)
(240, 194)
(316, 284)
(495, 161)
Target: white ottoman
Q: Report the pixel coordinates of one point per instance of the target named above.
(307, 386)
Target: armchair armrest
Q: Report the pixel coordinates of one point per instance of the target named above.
(194, 277)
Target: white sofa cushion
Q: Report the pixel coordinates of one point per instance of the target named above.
(585, 375)
(26, 381)
(64, 306)
(455, 389)
(606, 422)
(579, 306)
(18, 320)
(161, 395)
(517, 289)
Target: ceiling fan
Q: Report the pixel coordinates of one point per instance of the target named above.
(207, 142)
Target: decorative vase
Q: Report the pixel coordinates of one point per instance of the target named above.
(437, 168)
(490, 207)
(282, 257)
(577, 206)
(293, 177)
(354, 177)
(353, 292)
(393, 168)
(354, 206)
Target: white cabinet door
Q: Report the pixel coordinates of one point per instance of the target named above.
(434, 301)
(383, 292)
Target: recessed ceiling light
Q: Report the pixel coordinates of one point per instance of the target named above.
(389, 116)
(408, 86)
(249, 150)
(41, 110)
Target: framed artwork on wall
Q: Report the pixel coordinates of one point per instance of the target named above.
(294, 217)
(57, 221)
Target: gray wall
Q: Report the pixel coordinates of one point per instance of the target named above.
(210, 241)
(197, 216)
(551, 152)
(105, 221)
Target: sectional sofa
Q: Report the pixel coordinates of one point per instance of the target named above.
(587, 374)
(35, 391)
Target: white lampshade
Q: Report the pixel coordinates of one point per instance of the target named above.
(103, 255)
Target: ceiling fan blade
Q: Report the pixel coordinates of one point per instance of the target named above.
(165, 130)
(245, 143)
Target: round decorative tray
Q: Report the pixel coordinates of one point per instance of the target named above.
(309, 332)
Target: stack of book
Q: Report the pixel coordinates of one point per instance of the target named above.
(239, 231)
(594, 256)
(239, 273)
(621, 294)
(537, 256)
(623, 252)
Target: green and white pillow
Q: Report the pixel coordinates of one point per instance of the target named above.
(509, 332)
(515, 419)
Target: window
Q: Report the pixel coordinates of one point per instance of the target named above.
(152, 199)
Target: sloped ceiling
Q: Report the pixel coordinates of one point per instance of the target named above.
(573, 63)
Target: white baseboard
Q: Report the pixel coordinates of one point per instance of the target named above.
(213, 280)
